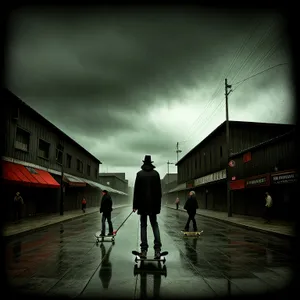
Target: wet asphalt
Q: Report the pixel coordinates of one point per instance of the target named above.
(65, 260)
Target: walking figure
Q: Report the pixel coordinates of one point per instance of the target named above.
(147, 202)
(177, 203)
(106, 209)
(18, 206)
(268, 207)
(191, 205)
(83, 204)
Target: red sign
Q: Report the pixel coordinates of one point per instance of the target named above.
(237, 185)
(247, 157)
(231, 163)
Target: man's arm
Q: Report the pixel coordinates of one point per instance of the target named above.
(136, 199)
(158, 182)
(101, 204)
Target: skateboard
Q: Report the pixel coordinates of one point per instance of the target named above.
(100, 237)
(152, 271)
(161, 259)
(192, 233)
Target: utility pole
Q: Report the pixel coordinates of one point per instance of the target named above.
(229, 208)
(177, 150)
(61, 207)
(168, 174)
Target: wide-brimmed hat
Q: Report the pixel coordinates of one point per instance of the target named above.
(147, 159)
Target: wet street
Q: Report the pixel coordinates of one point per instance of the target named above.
(225, 260)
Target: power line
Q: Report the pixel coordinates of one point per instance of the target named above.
(239, 82)
(191, 130)
(256, 46)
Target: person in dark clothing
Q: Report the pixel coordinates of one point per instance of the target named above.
(18, 206)
(83, 204)
(191, 205)
(106, 209)
(147, 202)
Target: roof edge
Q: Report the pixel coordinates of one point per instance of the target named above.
(46, 120)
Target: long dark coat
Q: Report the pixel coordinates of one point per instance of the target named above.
(106, 204)
(191, 205)
(147, 191)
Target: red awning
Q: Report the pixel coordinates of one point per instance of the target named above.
(26, 175)
(237, 185)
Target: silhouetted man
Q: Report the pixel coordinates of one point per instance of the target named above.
(106, 209)
(147, 202)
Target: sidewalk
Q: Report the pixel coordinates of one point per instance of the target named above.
(280, 228)
(39, 222)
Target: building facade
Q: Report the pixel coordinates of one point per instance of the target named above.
(114, 180)
(45, 165)
(118, 182)
(203, 169)
(266, 167)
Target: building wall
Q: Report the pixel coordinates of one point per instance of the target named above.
(281, 154)
(114, 182)
(37, 129)
(19, 118)
(210, 155)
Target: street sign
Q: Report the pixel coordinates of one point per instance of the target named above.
(231, 163)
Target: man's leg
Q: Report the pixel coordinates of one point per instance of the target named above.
(194, 221)
(156, 233)
(144, 241)
(110, 227)
(103, 224)
(187, 226)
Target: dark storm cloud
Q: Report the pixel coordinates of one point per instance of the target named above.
(97, 76)
(113, 58)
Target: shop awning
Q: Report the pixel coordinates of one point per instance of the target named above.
(74, 181)
(103, 187)
(180, 187)
(26, 175)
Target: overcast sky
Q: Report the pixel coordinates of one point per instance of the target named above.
(126, 84)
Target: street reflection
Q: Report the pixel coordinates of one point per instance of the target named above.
(152, 271)
(105, 271)
(191, 250)
(17, 251)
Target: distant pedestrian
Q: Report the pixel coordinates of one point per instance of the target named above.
(191, 205)
(106, 209)
(83, 205)
(177, 203)
(268, 208)
(147, 202)
(18, 206)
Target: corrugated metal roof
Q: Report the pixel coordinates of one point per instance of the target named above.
(272, 140)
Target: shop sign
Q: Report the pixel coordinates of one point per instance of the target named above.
(262, 180)
(211, 178)
(237, 185)
(286, 177)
